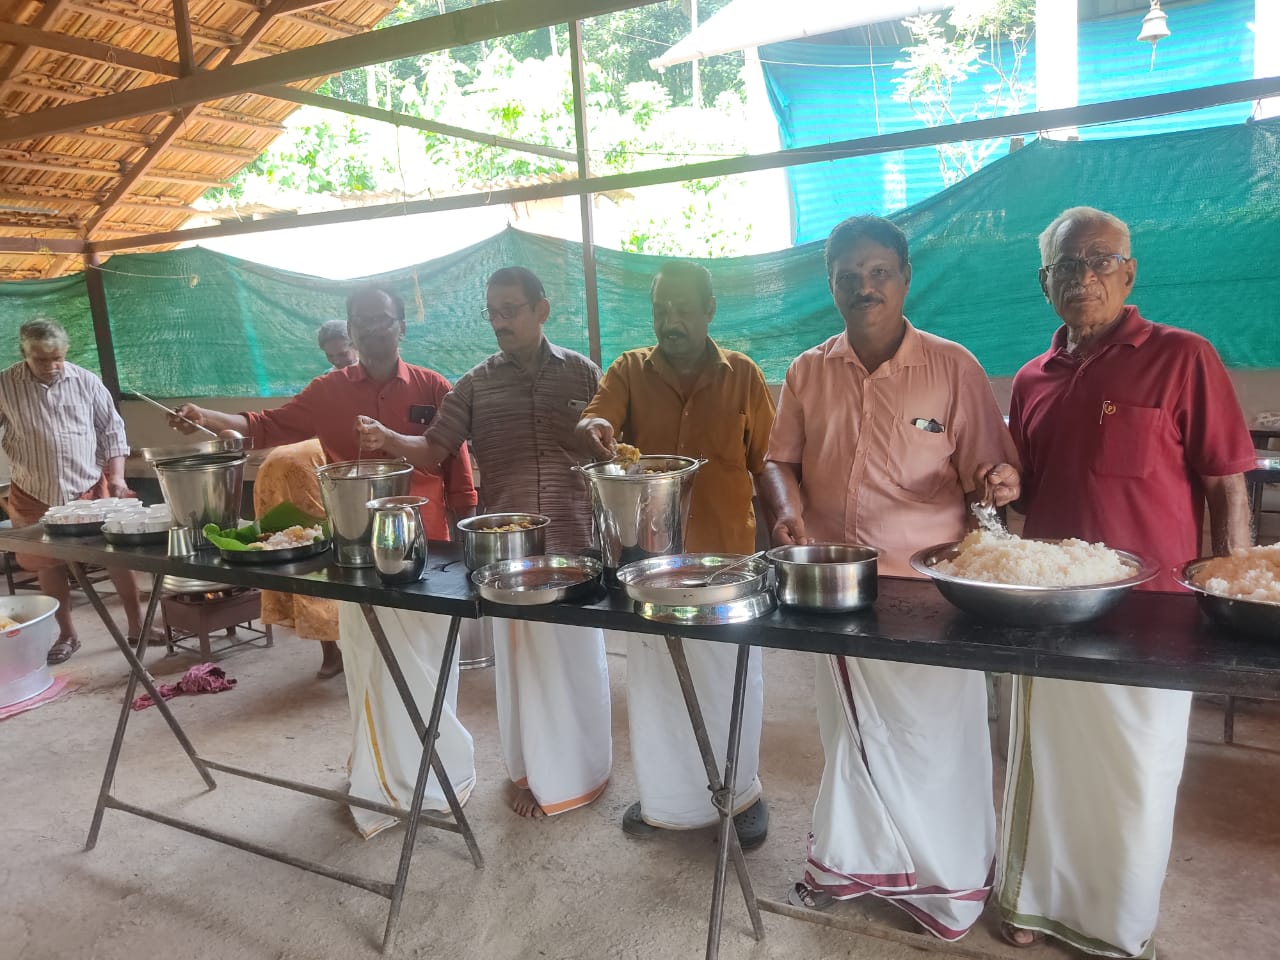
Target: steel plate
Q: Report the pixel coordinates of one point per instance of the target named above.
(740, 610)
(197, 448)
(1258, 618)
(285, 555)
(87, 529)
(1025, 605)
(154, 538)
(680, 579)
(531, 581)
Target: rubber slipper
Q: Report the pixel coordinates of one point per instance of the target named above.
(633, 824)
(752, 825)
(804, 896)
(61, 651)
(1009, 933)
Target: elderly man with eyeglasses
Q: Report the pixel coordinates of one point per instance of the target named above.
(519, 408)
(1125, 429)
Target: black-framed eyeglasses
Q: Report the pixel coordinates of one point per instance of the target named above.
(1069, 267)
(504, 313)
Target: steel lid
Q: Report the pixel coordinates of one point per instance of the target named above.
(196, 448)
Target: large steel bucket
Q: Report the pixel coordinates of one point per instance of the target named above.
(346, 488)
(203, 489)
(640, 514)
(24, 671)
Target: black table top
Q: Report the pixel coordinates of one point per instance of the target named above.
(445, 591)
(1149, 639)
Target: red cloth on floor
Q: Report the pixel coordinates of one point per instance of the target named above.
(202, 678)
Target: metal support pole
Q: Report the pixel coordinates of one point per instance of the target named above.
(101, 326)
(428, 733)
(136, 672)
(591, 290)
(722, 793)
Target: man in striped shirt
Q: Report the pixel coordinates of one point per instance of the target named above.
(65, 441)
(519, 408)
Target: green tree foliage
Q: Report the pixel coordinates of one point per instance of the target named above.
(985, 39)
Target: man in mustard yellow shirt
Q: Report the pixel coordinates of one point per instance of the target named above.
(688, 397)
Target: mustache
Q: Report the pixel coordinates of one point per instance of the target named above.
(867, 301)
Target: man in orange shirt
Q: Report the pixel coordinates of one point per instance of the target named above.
(385, 750)
(688, 397)
(879, 432)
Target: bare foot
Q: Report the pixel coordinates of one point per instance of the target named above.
(523, 803)
(331, 664)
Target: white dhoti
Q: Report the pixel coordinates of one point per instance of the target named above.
(385, 749)
(669, 770)
(553, 710)
(1088, 811)
(905, 810)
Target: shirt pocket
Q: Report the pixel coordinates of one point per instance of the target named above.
(920, 461)
(1127, 436)
(727, 440)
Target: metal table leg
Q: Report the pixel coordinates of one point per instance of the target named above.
(137, 673)
(721, 790)
(428, 732)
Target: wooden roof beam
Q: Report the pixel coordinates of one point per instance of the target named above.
(306, 98)
(136, 16)
(1115, 111)
(20, 35)
(41, 245)
(21, 54)
(247, 42)
(483, 22)
(182, 27)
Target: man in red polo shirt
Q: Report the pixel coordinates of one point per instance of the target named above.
(385, 750)
(1126, 429)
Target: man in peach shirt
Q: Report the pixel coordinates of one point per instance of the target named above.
(878, 433)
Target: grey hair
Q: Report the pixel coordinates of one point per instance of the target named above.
(1082, 215)
(42, 331)
(332, 330)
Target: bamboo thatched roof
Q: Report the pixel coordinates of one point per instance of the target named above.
(138, 175)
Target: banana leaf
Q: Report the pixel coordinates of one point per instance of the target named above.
(279, 518)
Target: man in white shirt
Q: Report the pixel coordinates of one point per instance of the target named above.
(65, 441)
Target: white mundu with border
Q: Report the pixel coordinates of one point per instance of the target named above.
(385, 749)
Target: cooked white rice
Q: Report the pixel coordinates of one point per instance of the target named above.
(286, 539)
(1252, 574)
(991, 558)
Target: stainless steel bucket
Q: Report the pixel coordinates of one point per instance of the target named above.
(638, 513)
(203, 489)
(24, 671)
(346, 488)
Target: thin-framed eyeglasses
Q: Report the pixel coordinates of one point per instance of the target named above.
(508, 312)
(1069, 267)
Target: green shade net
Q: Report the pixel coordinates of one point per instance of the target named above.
(1202, 205)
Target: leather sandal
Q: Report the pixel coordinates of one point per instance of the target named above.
(61, 651)
(807, 898)
(1009, 933)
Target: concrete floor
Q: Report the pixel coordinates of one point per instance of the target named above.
(569, 887)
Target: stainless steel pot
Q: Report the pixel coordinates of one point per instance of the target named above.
(482, 545)
(24, 671)
(826, 577)
(398, 541)
(203, 489)
(640, 511)
(346, 488)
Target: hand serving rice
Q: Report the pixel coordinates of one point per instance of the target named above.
(287, 539)
(990, 558)
(1252, 574)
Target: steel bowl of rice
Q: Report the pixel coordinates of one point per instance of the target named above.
(1241, 591)
(1022, 582)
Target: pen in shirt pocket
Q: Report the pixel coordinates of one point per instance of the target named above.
(928, 426)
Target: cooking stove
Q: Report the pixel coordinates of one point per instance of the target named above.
(198, 609)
